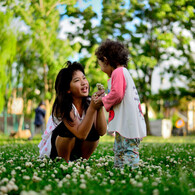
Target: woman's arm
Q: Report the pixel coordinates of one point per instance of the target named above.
(100, 122)
(100, 119)
(82, 129)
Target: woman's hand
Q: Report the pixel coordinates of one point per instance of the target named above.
(97, 99)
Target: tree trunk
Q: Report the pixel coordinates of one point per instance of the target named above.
(46, 91)
(147, 118)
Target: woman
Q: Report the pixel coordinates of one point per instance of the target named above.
(80, 122)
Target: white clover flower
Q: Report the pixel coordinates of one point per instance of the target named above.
(71, 163)
(192, 190)
(9, 187)
(95, 178)
(133, 181)
(10, 161)
(35, 174)
(88, 174)
(42, 165)
(123, 181)
(52, 175)
(99, 174)
(83, 186)
(44, 160)
(55, 171)
(60, 184)
(155, 192)
(82, 176)
(137, 177)
(98, 165)
(64, 180)
(68, 176)
(122, 171)
(145, 179)
(48, 188)
(3, 189)
(11, 182)
(15, 187)
(4, 180)
(111, 174)
(103, 183)
(139, 184)
(154, 183)
(3, 169)
(28, 164)
(106, 163)
(28, 193)
(74, 180)
(112, 181)
(26, 177)
(158, 179)
(13, 172)
(36, 179)
(63, 167)
(88, 168)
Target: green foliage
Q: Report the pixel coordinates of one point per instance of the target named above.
(7, 54)
(159, 27)
(40, 52)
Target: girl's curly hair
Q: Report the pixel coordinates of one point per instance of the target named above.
(115, 52)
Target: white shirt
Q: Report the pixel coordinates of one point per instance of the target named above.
(123, 104)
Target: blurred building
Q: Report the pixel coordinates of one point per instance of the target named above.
(191, 117)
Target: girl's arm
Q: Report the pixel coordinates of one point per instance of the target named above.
(82, 129)
(117, 92)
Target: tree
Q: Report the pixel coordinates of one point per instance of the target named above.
(41, 53)
(7, 54)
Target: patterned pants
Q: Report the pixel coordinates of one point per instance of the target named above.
(126, 152)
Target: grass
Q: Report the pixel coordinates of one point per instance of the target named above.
(166, 167)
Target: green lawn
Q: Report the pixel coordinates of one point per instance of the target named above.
(166, 167)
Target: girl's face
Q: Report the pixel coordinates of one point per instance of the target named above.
(106, 67)
(79, 86)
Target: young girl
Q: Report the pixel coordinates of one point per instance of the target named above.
(76, 124)
(122, 103)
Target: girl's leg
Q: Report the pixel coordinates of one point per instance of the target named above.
(64, 146)
(118, 151)
(87, 148)
(131, 152)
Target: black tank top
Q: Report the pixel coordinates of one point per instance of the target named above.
(63, 131)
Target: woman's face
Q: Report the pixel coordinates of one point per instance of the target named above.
(79, 86)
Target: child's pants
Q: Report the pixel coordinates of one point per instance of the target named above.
(126, 152)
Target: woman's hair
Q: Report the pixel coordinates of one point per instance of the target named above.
(63, 101)
(114, 51)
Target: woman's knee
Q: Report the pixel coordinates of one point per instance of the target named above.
(64, 147)
(88, 148)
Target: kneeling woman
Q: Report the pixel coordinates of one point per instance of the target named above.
(80, 122)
